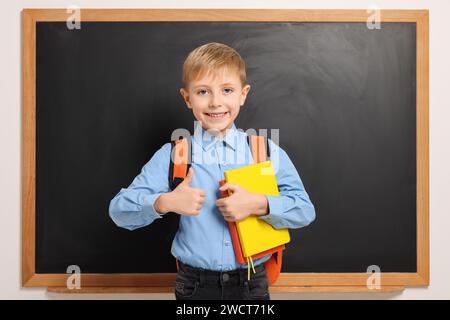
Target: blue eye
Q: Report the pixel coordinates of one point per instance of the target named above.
(203, 92)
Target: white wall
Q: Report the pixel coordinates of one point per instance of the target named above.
(10, 138)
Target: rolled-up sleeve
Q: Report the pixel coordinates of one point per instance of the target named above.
(133, 207)
(292, 208)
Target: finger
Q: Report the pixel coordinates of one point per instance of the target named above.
(201, 200)
(233, 187)
(195, 212)
(189, 176)
(220, 203)
(225, 212)
(202, 193)
(229, 186)
(199, 196)
(229, 218)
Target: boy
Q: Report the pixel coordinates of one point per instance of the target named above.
(214, 89)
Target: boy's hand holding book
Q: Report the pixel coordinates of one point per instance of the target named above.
(241, 203)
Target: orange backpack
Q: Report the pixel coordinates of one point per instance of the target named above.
(180, 162)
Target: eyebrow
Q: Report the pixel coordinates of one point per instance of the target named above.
(223, 84)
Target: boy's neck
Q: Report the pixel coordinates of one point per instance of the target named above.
(220, 135)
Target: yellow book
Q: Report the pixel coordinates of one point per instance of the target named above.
(255, 234)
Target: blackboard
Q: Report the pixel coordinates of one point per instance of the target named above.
(343, 96)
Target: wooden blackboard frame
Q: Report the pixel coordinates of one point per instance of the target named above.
(163, 282)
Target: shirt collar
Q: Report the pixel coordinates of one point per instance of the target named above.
(208, 140)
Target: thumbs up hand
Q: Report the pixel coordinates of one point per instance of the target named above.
(184, 200)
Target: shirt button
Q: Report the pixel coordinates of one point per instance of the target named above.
(227, 243)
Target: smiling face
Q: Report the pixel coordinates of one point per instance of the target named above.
(215, 99)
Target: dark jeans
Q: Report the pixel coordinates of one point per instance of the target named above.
(198, 284)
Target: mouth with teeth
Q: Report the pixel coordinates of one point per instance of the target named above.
(216, 115)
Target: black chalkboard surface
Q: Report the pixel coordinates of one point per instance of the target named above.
(343, 97)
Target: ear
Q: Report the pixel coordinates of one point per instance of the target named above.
(244, 93)
(185, 94)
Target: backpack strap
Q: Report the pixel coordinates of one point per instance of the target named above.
(259, 147)
(180, 161)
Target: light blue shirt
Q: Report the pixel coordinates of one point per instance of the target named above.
(204, 241)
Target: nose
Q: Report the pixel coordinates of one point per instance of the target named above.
(215, 101)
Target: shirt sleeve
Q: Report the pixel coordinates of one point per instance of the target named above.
(292, 208)
(133, 207)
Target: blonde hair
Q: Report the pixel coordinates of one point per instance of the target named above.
(212, 57)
